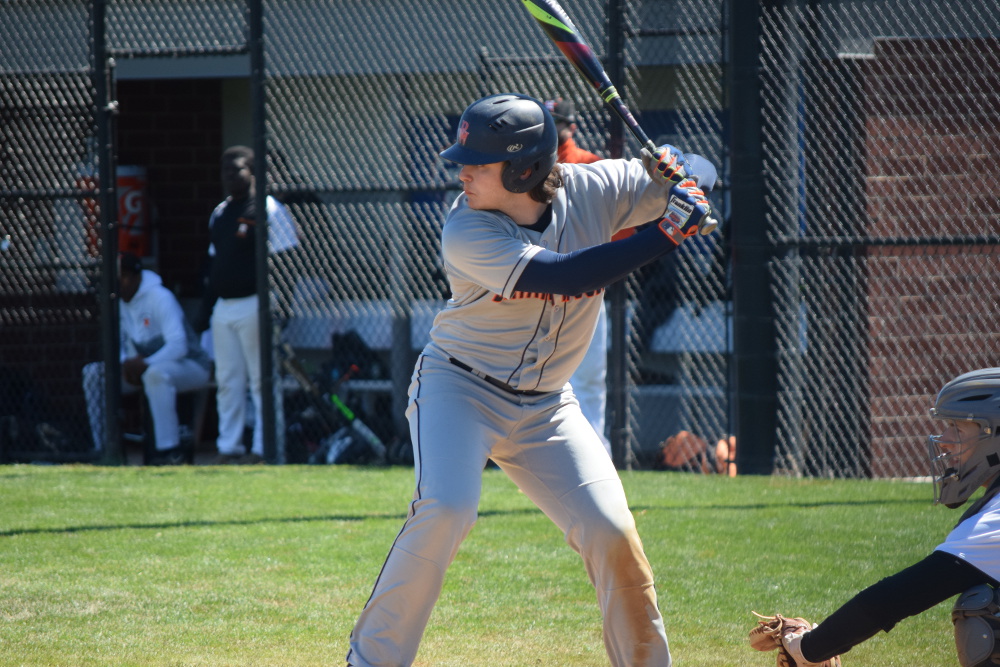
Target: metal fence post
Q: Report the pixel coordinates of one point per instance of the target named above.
(754, 342)
(620, 433)
(269, 403)
(108, 297)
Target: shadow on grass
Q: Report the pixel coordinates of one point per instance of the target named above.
(234, 522)
(785, 505)
(196, 524)
(401, 516)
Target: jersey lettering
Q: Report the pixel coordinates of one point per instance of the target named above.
(551, 298)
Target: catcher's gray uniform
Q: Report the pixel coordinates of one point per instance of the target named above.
(492, 384)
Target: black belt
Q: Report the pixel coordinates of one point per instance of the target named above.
(495, 382)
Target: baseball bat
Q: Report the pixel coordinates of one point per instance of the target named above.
(560, 29)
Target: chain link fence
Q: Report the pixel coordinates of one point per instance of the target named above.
(879, 137)
(49, 233)
(681, 330)
(354, 137)
(882, 142)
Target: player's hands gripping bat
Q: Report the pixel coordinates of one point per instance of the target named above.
(687, 210)
(666, 166)
(560, 29)
(785, 634)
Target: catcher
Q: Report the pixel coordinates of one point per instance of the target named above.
(964, 457)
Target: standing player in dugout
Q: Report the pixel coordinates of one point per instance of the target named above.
(527, 250)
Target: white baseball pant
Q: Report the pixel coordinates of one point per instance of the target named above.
(162, 381)
(589, 381)
(236, 343)
(545, 445)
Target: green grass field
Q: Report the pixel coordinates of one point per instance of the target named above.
(269, 565)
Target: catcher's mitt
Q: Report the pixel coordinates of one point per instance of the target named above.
(778, 632)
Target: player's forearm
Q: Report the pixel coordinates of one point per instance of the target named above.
(882, 605)
(592, 268)
(173, 349)
(170, 316)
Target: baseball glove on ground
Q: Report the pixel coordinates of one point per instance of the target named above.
(784, 634)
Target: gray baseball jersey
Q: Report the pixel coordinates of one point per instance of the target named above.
(534, 341)
(542, 441)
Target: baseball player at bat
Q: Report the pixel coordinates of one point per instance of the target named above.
(965, 457)
(527, 250)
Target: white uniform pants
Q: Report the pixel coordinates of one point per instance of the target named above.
(589, 381)
(161, 382)
(544, 444)
(236, 342)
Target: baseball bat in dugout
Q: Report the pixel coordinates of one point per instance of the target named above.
(327, 404)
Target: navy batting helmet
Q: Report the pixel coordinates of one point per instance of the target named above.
(508, 128)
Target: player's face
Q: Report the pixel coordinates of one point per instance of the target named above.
(237, 176)
(129, 285)
(483, 186)
(958, 438)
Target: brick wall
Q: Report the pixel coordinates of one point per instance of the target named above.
(931, 307)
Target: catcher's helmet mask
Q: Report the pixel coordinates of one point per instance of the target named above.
(960, 468)
(510, 128)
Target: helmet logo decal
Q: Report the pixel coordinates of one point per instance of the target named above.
(513, 148)
(463, 132)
